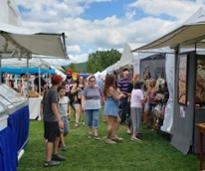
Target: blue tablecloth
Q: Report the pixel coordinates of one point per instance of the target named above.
(13, 138)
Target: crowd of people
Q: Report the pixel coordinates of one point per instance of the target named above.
(127, 101)
(28, 85)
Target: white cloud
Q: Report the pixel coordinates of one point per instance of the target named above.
(73, 49)
(79, 58)
(107, 33)
(49, 10)
(175, 8)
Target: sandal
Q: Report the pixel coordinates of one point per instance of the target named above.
(136, 139)
(75, 125)
(109, 141)
(117, 139)
(97, 137)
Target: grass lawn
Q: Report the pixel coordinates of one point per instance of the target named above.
(84, 154)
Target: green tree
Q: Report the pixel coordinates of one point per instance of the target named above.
(100, 60)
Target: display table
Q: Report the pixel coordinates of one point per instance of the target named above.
(34, 107)
(13, 138)
(201, 127)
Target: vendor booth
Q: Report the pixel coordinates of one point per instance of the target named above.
(14, 126)
(15, 109)
(153, 64)
(189, 107)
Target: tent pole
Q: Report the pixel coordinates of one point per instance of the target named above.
(195, 47)
(39, 81)
(0, 69)
(27, 73)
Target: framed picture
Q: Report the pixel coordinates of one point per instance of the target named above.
(182, 83)
(200, 80)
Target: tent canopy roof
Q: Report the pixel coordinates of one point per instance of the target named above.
(22, 43)
(190, 33)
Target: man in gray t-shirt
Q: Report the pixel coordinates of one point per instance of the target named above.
(52, 123)
(51, 97)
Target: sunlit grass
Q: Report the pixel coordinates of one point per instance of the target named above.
(84, 154)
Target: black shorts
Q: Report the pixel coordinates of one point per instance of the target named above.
(51, 131)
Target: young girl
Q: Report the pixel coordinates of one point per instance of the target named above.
(137, 99)
(64, 111)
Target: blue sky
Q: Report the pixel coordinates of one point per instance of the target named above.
(92, 25)
(106, 9)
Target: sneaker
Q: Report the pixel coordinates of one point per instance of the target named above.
(57, 157)
(109, 141)
(51, 163)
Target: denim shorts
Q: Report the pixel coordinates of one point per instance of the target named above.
(65, 120)
(92, 118)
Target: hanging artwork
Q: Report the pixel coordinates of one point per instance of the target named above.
(200, 81)
(182, 84)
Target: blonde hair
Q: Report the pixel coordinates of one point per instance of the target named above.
(135, 78)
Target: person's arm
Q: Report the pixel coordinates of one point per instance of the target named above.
(68, 108)
(142, 98)
(68, 111)
(41, 109)
(83, 102)
(115, 94)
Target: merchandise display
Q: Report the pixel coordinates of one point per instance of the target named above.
(10, 97)
(182, 84)
(200, 80)
(3, 116)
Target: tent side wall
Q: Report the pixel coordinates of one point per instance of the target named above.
(183, 124)
(156, 65)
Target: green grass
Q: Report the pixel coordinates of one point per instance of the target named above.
(83, 154)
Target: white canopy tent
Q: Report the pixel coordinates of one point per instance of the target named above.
(127, 57)
(190, 34)
(20, 43)
(14, 44)
(34, 62)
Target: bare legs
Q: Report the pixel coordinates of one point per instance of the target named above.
(113, 125)
(77, 114)
(51, 148)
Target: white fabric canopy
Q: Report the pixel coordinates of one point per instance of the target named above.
(34, 62)
(191, 32)
(20, 42)
(127, 57)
